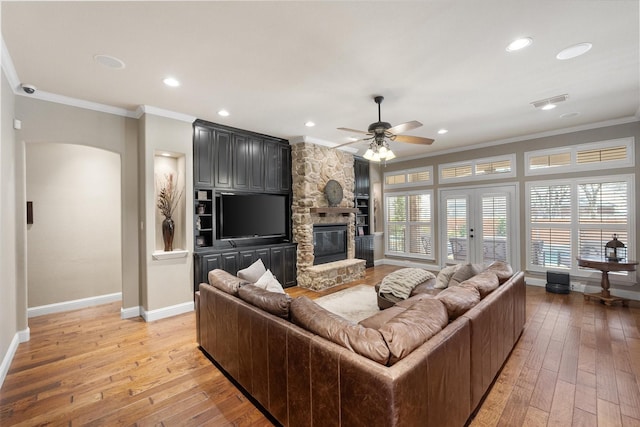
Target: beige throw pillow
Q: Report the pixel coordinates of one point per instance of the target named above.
(253, 272)
(269, 282)
(443, 277)
(465, 272)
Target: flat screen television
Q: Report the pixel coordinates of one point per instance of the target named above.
(251, 215)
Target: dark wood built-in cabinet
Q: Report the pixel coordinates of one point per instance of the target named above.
(362, 193)
(226, 159)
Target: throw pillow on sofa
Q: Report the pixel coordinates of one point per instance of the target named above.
(363, 341)
(458, 300)
(413, 327)
(465, 272)
(269, 282)
(253, 272)
(444, 276)
(271, 302)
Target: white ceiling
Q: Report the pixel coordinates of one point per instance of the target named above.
(277, 65)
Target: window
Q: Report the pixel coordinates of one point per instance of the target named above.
(489, 168)
(571, 218)
(409, 224)
(584, 157)
(409, 178)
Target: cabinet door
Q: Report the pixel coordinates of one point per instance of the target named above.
(290, 261)
(222, 161)
(272, 166)
(241, 162)
(203, 265)
(256, 166)
(285, 168)
(265, 255)
(277, 263)
(202, 157)
(246, 259)
(230, 262)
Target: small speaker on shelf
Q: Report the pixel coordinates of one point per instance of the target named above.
(558, 283)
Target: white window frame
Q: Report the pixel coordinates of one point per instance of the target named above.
(406, 173)
(574, 224)
(405, 254)
(472, 163)
(629, 142)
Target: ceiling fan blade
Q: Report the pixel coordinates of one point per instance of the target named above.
(349, 143)
(404, 127)
(414, 139)
(354, 130)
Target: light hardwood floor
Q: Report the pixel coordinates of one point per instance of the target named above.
(577, 363)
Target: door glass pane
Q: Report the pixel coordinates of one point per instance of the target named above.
(494, 228)
(457, 226)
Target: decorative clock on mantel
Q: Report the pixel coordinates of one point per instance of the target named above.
(333, 191)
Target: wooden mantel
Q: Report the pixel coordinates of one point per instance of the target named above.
(333, 211)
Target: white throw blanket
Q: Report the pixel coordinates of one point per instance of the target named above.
(401, 282)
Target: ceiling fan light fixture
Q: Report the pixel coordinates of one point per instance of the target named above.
(368, 154)
(390, 155)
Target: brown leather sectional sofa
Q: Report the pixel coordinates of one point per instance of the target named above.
(303, 379)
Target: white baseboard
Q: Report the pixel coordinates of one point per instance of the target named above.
(73, 304)
(128, 313)
(579, 286)
(162, 313)
(19, 337)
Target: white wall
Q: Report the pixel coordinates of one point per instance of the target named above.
(74, 244)
(9, 301)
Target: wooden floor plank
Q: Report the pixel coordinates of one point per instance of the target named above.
(577, 362)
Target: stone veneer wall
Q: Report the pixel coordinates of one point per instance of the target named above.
(312, 166)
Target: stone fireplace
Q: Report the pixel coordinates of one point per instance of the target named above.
(312, 166)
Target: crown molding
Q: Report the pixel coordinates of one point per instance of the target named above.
(613, 122)
(322, 142)
(155, 111)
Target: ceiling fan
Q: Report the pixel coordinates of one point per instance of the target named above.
(380, 133)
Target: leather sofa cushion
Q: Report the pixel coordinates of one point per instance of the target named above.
(485, 282)
(383, 316)
(458, 300)
(224, 281)
(502, 270)
(275, 303)
(366, 342)
(413, 327)
(465, 272)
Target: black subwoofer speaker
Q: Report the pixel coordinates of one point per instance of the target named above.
(558, 283)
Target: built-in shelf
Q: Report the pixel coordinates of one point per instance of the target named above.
(178, 253)
(333, 211)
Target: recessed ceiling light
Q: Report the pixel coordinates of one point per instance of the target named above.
(573, 51)
(442, 131)
(170, 81)
(309, 124)
(548, 107)
(223, 113)
(352, 139)
(569, 115)
(519, 44)
(165, 154)
(109, 61)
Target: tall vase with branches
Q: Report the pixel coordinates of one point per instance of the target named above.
(168, 198)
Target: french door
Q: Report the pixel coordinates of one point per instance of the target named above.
(479, 225)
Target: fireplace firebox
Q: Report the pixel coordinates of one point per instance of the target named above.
(329, 243)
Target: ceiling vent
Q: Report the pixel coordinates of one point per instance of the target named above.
(550, 101)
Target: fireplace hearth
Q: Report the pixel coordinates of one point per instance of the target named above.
(329, 243)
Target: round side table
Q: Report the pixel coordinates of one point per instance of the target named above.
(605, 267)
